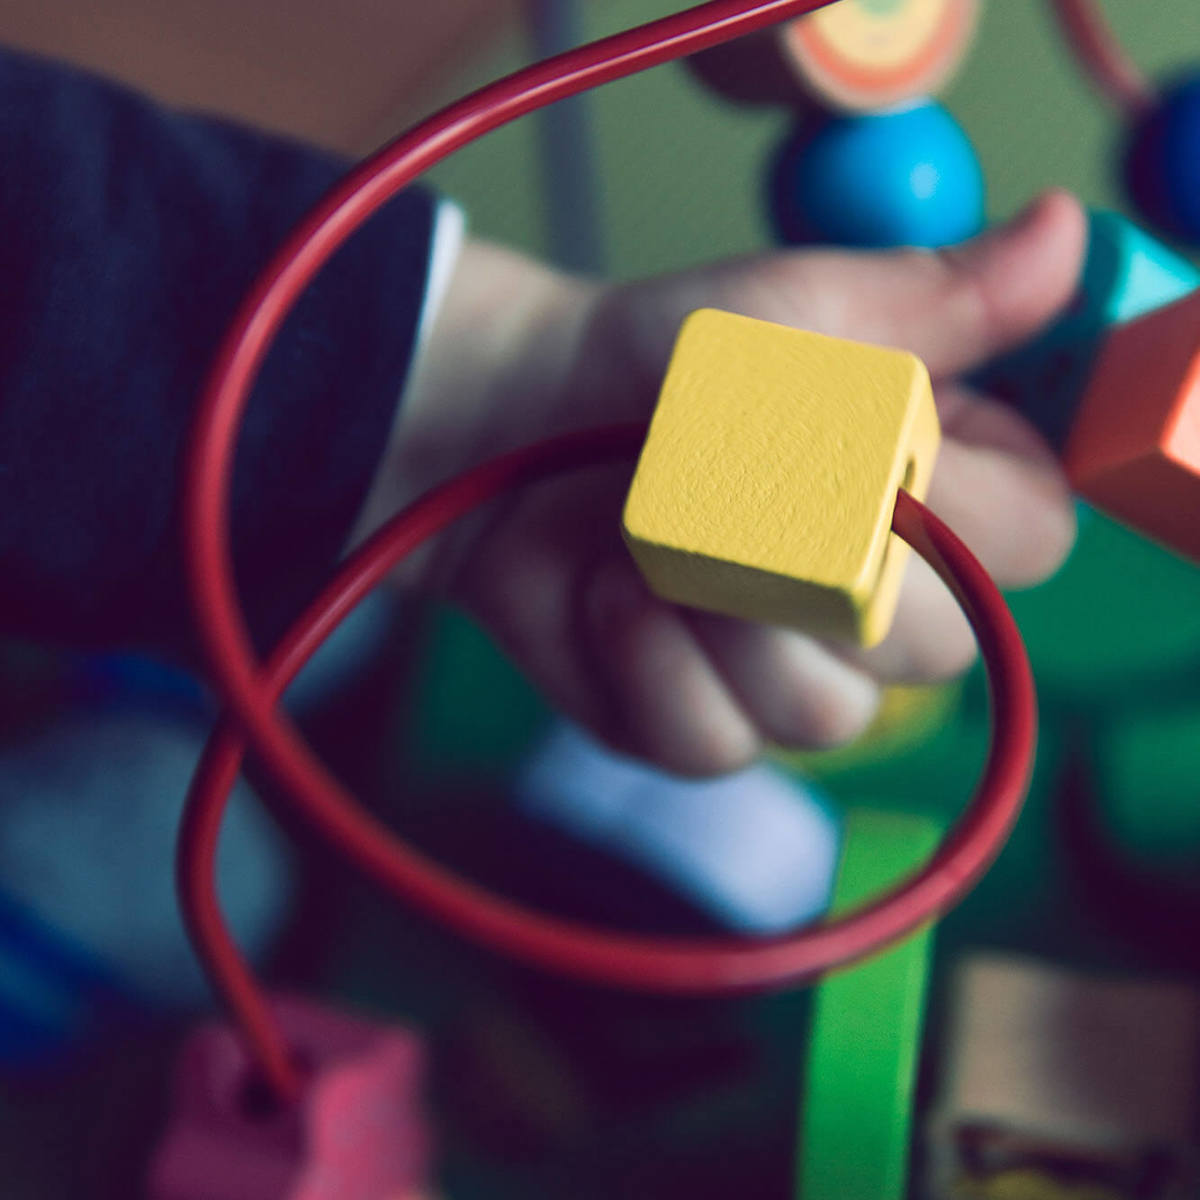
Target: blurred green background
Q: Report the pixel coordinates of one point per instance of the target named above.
(680, 168)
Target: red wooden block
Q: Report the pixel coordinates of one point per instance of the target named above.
(359, 1133)
(1134, 449)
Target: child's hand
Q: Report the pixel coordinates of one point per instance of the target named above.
(520, 353)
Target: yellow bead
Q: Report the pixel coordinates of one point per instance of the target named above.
(766, 485)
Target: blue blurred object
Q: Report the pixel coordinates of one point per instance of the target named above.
(89, 925)
(908, 177)
(131, 680)
(1127, 274)
(51, 992)
(89, 805)
(755, 850)
(126, 679)
(1162, 162)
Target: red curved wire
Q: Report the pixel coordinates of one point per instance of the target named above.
(250, 693)
(1094, 44)
(314, 241)
(710, 965)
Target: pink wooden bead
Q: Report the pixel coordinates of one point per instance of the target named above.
(359, 1133)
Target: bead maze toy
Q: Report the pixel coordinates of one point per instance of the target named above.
(749, 500)
(686, 966)
(732, 575)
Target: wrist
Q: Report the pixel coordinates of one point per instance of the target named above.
(490, 378)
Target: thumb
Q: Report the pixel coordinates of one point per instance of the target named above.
(974, 301)
(954, 308)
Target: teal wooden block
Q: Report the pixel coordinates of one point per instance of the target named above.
(1127, 273)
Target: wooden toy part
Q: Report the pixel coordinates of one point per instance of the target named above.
(1134, 449)
(359, 1131)
(907, 177)
(766, 485)
(856, 1114)
(750, 70)
(1127, 274)
(1084, 1083)
(867, 55)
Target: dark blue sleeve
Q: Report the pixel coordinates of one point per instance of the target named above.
(128, 235)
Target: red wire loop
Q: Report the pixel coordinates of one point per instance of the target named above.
(1095, 45)
(250, 691)
(714, 965)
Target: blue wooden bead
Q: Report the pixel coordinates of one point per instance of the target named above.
(909, 177)
(1162, 166)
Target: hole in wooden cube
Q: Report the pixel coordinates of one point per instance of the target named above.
(766, 486)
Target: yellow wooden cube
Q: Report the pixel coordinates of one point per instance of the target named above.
(766, 485)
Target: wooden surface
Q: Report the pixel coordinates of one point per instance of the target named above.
(1064, 1057)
